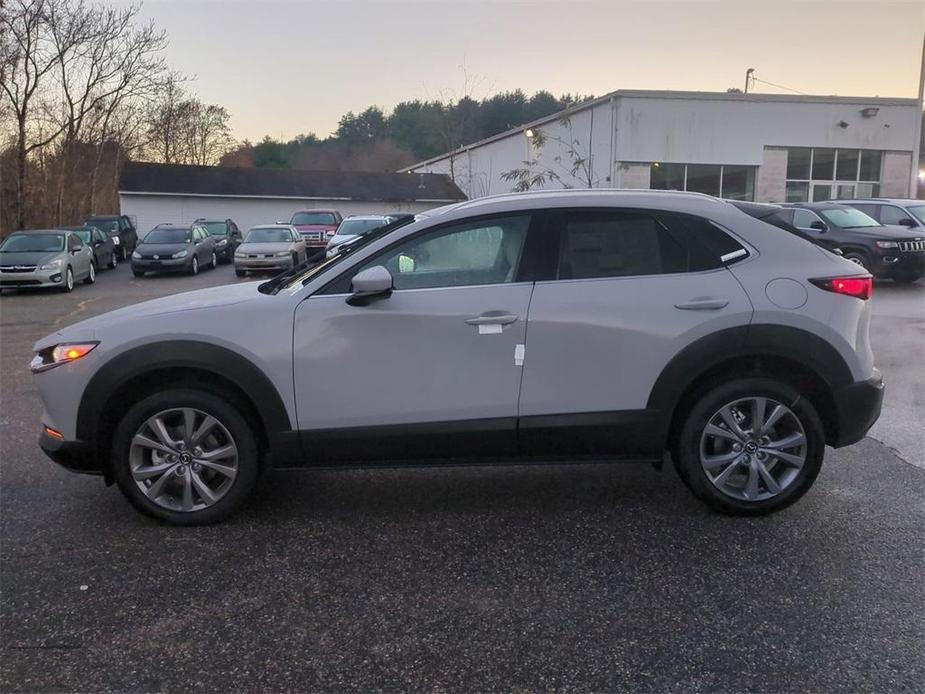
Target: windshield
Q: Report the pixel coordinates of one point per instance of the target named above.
(848, 218)
(271, 235)
(320, 218)
(168, 236)
(110, 224)
(918, 211)
(33, 243)
(305, 271)
(358, 227)
(216, 228)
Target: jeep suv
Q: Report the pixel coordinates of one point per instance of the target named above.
(893, 252)
(561, 325)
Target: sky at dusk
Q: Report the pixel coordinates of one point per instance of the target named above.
(283, 68)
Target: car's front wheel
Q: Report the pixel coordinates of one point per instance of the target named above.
(91, 274)
(113, 260)
(68, 285)
(194, 266)
(185, 456)
(750, 446)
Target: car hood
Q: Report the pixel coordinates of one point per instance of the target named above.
(213, 297)
(38, 258)
(888, 231)
(263, 248)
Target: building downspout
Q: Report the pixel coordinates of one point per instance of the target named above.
(917, 129)
(613, 142)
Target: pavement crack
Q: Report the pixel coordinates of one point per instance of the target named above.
(81, 307)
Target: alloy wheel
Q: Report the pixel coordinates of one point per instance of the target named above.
(183, 459)
(753, 448)
(69, 279)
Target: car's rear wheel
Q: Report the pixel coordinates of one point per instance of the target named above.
(750, 446)
(185, 456)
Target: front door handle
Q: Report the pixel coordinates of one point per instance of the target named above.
(493, 318)
(703, 303)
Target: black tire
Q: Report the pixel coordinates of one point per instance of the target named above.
(113, 260)
(858, 258)
(123, 251)
(138, 273)
(687, 454)
(194, 265)
(214, 263)
(248, 456)
(91, 274)
(68, 285)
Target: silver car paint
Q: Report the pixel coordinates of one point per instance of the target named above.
(78, 261)
(339, 347)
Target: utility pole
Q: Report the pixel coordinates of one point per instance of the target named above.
(748, 75)
(917, 130)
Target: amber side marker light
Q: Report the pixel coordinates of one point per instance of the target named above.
(858, 287)
(54, 433)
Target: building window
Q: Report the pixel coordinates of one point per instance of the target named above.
(725, 181)
(816, 173)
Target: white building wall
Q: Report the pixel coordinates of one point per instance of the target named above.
(636, 128)
(151, 210)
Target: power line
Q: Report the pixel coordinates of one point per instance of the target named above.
(779, 86)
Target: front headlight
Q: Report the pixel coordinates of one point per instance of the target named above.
(221, 243)
(887, 244)
(136, 255)
(53, 265)
(66, 352)
(180, 254)
(281, 254)
(240, 254)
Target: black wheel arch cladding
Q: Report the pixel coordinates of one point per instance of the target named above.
(212, 359)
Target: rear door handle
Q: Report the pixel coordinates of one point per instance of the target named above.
(493, 318)
(703, 303)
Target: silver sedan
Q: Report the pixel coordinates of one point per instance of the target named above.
(271, 247)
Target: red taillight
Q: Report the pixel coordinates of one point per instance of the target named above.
(858, 287)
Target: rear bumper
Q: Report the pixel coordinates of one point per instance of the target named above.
(76, 456)
(858, 407)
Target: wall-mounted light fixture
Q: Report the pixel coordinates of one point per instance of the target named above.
(528, 132)
(842, 124)
(870, 111)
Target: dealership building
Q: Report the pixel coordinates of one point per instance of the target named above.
(761, 147)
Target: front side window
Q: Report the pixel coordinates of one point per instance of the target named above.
(891, 215)
(466, 254)
(617, 244)
(917, 211)
(803, 219)
(216, 228)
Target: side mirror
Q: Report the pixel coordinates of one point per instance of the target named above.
(818, 226)
(370, 284)
(906, 222)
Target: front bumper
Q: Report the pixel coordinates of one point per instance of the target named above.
(76, 456)
(167, 265)
(262, 264)
(36, 278)
(890, 263)
(857, 407)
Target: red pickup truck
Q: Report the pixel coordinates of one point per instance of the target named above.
(316, 227)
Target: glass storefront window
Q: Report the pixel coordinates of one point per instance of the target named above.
(798, 162)
(704, 178)
(847, 169)
(870, 166)
(797, 191)
(815, 174)
(824, 164)
(726, 181)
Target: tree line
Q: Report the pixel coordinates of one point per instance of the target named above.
(85, 87)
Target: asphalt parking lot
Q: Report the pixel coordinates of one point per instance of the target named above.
(584, 577)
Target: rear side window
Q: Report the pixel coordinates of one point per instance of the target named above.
(707, 245)
(617, 244)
